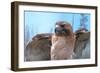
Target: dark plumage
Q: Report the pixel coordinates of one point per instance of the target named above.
(38, 48)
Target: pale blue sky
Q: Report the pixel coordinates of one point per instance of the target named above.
(44, 22)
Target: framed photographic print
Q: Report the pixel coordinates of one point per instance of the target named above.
(52, 36)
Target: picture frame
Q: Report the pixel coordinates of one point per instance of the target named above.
(30, 18)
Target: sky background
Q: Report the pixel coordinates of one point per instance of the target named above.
(44, 22)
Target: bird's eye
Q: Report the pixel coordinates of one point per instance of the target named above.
(62, 25)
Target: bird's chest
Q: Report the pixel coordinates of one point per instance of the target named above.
(61, 50)
(61, 43)
(62, 46)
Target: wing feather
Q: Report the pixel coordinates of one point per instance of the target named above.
(82, 43)
(38, 48)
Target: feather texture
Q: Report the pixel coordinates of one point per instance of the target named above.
(38, 48)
